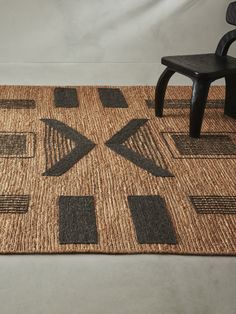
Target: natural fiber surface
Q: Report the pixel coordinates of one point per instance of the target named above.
(93, 170)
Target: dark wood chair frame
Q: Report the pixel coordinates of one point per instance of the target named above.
(201, 83)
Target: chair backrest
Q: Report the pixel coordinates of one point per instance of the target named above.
(231, 13)
(226, 41)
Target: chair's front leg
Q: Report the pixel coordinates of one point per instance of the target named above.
(230, 96)
(198, 104)
(161, 91)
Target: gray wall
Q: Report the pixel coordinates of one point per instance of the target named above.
(103, 41)
(122, 41)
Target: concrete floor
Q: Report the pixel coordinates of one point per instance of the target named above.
(100, 284)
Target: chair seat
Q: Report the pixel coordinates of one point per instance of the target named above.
(209, 66)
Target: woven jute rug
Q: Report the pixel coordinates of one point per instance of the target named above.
(89, 169)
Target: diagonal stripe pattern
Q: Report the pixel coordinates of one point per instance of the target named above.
(118, 144)
(64, 147)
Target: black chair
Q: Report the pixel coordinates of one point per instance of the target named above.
(203, 70)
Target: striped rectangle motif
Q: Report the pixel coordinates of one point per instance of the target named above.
(185, 103)
(17, 104)
(214, 204)
(12, 144)
(14, 203)
(17, 145)
(209, 146)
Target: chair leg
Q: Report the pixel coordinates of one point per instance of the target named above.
(198, 104)
(230, 96)
(161, 91)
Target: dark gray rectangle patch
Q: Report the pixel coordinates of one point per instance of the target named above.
(112, 98)
(185, 103)
(66, 97)
(14, 203)
(12, 144)
(208, 144)
(214, 204)
(17, 104)
(77, 220)
(151, 219)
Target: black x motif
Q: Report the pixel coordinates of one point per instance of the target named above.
(65, 146)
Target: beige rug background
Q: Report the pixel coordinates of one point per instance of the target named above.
(110, 178)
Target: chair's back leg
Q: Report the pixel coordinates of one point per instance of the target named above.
(230, 96)
(198, 104)
(161, 91)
